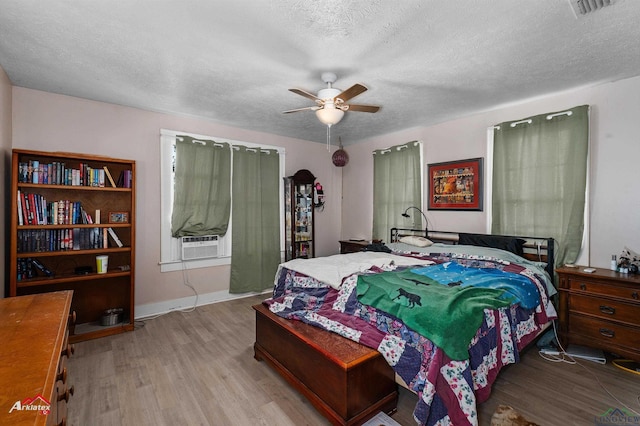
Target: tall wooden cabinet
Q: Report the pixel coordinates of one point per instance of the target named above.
(66, 211)
(299, 192)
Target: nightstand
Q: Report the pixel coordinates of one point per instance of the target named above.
(352, 246)
(600, 309)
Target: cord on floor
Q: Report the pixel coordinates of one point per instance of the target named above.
(185, 282)
(563, 356)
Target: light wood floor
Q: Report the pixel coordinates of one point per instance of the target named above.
(197, 368)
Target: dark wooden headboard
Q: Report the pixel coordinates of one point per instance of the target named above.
(537, 249)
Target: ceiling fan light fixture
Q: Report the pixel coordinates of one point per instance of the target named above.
(331, 102)
(329, 115)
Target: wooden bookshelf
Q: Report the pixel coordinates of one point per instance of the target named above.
(69, 238)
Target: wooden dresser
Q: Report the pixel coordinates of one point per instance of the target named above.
(34, 335)
(600, 310)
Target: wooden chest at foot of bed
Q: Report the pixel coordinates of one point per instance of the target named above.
(346, 381)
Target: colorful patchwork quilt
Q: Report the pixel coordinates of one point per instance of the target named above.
(449, 384)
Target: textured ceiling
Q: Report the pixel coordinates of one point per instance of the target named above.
(232, 61)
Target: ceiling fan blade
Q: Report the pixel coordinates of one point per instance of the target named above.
(363, 108)
(305, 94)
(311, 108)
(351, 92)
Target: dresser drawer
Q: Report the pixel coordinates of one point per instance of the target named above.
(606, 309)
(605, 331)
(628, 293)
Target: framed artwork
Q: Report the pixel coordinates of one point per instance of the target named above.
(118, 217)
(456, 185)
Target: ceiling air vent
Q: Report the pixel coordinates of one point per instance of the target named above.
(584, 7)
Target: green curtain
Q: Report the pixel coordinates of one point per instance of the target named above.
(539, 179)
(255, 252)
(397, 185)
(202, 194)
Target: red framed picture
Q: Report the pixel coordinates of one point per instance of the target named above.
(456, 185)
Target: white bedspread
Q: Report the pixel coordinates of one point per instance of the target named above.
(333, 269)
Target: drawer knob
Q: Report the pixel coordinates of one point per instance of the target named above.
(607, 310)
(62, 376)
(69, 350)
(635, 295)
(66, 395)
(583, 286)
(606, 332)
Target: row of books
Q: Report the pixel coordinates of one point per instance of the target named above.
(34, 209)
(56, 173)
(46, 240)
(28, 268)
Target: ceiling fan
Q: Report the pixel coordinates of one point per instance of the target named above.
(331, 103)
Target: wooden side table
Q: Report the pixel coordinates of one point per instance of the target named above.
(600, 309)
(353, 246)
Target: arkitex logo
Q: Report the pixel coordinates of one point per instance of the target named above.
(617, 416)
(37, 403)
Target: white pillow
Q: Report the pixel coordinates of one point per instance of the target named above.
(417, 241)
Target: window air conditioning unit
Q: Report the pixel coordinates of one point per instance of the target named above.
(199, 247)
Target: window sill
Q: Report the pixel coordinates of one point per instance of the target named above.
(179, 265)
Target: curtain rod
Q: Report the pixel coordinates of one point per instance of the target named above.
(529, 121)
(264, 151)
(399, 147)
(178, 134)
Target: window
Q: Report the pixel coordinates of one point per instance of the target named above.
(397, 185)
(540, 178)
(170, 250)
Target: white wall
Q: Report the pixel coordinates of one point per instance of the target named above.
(5, 151)
(45, 121)
(50, 122)
(614, 197)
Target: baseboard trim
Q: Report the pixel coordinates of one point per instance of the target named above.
(185, 303)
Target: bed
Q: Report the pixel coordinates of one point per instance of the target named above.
(446, 316)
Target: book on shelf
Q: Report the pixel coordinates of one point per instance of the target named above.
(56, 173)
(35, 171)
(69, 239)
(28, 208)
(25, 269)
(60, 212)
(36, 207)
(20, 222)
(75, 240)
(125, 179)
(41, 267)
(108, 173)
(25, 212)
(115, 237)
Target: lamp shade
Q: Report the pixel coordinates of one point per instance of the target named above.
(329, 115)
